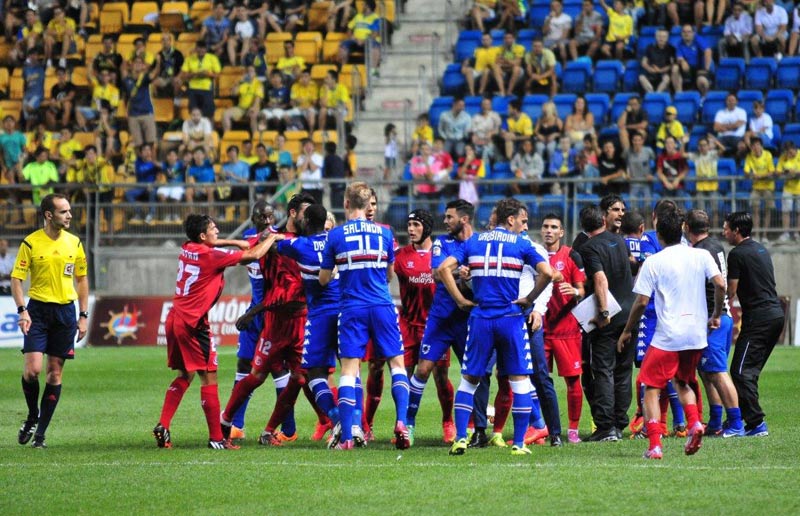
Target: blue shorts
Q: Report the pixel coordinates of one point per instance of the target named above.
(319, 344)
(647, 328)
(508, 335)
(53, 329)
(715, 356)
(248, 339)
(32, 101)
(442, 334)
(381, 324)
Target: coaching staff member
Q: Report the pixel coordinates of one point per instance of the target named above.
(56, 262)
(751, 277)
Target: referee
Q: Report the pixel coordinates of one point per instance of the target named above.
(57, 264)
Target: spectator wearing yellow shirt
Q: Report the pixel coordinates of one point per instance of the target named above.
(251, 93)
(140, 50)
(759, 167)
(303, 98)
(540, 66)
(423, 133)
(199, 70)
(105, 100)
(705, 166)
(789, 169)
(520, 128)
(508, 65)
(670, 126)
(59, 37)
(39, 137)
(620, 30)
(363, 36)
(334, 99)
(480, 64)
(290, 65)
(30, 36)
(96, 175)
(67, 146)
(481, 11)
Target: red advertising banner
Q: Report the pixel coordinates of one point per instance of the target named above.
(139, 321)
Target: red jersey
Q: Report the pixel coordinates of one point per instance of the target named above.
(282, 282)
(413, 269)
(200, 280)
(559, 323)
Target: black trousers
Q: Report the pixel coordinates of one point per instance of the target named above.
(611, 379)
(753, 347)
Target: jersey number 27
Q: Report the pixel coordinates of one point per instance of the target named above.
(193, 272)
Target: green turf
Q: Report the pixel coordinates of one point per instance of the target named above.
(102, 458)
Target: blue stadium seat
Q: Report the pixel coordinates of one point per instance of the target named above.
(791, 133)
(759, 73)
(607, 76)
(397, 211)
(484, 210)
(643, 42)
(619, 104)
(599, 104)
(532, 202)
(576, 76)
(552, 203)
(788, 73)
(439, 106)
(573, 8)
(777, 139)
(725, 167)
(655, 103)
(537, 13)
(779, 105)
(687, 103)
(630, 80)
(525, 37)
(453, 81)
(648, 30)
(501, 171)
(691, 185)
(500, 104)
(532, 105)
(497, 37)
(729, 73)
(746, 98)
(472, 104)
(610, 132)
(468, 41)
(715, 100)
(564, 103)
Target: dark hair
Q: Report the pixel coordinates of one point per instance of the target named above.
(350, 141)
(741, 221)
(670, 228)
(298, 200)
(232, 147)
(370, 4)
(334, 74)
(697, 222)
(89, 148)
(516, 104)
(610, 200)
(591, 218)
(631, 222)
(330, 147)
(49, 202)
(388, 128)
(314, 219)
(585, 104)
(196, 224)
(508, 207)
(107, 37)
(664, 206)
(200, 44)
(554, 216)
(462, 207)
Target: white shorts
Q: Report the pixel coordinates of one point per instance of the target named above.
(273, 113)
(788, 202)
(171, 192)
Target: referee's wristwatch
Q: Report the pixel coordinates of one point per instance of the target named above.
(83, 315)
(604, 314)
(21, 308)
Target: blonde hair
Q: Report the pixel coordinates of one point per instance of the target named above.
(358, 195)
(331, 218)
(549, 109)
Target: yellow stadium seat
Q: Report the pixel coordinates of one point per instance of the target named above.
(111, 22)
(295, 135)
(189, 36)
(140, 10)
(321, 137)
(319, 71)
(84, 138)
(153, 44)
(274, 51)
(122, 7)
(235, 134)
(354, 77)
(308, 50)
(127, 37)
(16, 88)
(200, 10)
(4, 77)
(164, 110)
(11, 107)
(318, 15)
(92, 48)
(330, 47)
(175, 7)
(387, 9)
(49, 82)
(279, 36)
(266, 137)
(186, 47)
(294, 148)
(79, 77)
(225, 84)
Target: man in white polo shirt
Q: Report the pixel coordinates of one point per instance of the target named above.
(769, 36)
(730, 124)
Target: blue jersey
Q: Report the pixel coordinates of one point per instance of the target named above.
(635, 247)
(443, 305)
(495, 261)
(649, 244)
(362, 251)
(254, 273)
(307, 252)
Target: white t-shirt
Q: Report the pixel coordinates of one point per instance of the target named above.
(528, 279)
(771, 21)
(677, 277)
(244, 29)
(199, 130)
(309, 179)
(762, 125)
(724, 116)
(559, 27)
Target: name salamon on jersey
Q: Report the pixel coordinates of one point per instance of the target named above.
(361, 226)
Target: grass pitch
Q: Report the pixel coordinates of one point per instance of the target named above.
(102, 458)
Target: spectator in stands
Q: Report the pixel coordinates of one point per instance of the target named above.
(67, 147)
(639, 159)
(588, 32)
(391, 150)
(146, 171)
(38, 137)
(579, 123)
(309, 170)
(658, 64)
(293, 13)
(686, 11)
(471, 168)
(705, 162)
(303, 99)
(351, 159)
(507, 67)
(173, 175)
(671, 127)
(263, 170)
(197, 132)
(613, 171)
(428, 175)
(586, 166)
(201, 172)
(40, 173)
(730, 125)
(105, 97)
(760, 168)
(279, 155)
(794, 36)
(485, 127)
(251, 93)
(454, 127)
(364, 34)
(483, 10)
(556, 29)
(339, 14)
(540, 67)
(256, 58)
(241, 33)
(563, 163)
(735, 41)
(257, 13)
(789, 170)
(695, 60)
(107, 60)
(12, 152)
(59, 38)
(78, 10)
(549, 129)
(423, 133)
(633, 118)
(59, 105)
(200, 69)
(33, 74)
(169, 61)
(334, 100)
(672, 168)
(510, 11)
(29, 36)
(528, 167)
(248, 155)
(479, 66)
(141, 115)
(760, 126)
(290, 65)
(237, 172)
(140, 50)
(333, 168)
(620, 30)
(95, 173)
(770, 33)
(519, 128)
(215, 31)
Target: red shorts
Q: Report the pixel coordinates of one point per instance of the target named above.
(412, 340)
(659, 366)
(188, 348)
(280, 345)
(567, 353)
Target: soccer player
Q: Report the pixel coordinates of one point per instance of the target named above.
(190, 350)
(446, 325)
(363, 253)
(713, 368)
(417, 287)
(57, 265)
(497, 323)
(751, 277)
(562, 333)
(676, 277)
